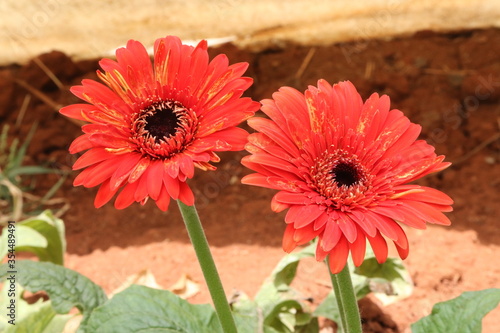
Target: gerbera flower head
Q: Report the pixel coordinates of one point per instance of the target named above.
(342, 168)
(152, 124)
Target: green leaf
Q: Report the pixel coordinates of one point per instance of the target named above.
(44, 320)
(50, 193)
(329, 308)
(277, 284)
(290, 316)
(20, 237)
(280, 305)
(389, 270)
(459, 315)
(282, 317)
(52, 229)
(390, 281)
(11, 160)
(22, 150)
(246, 314)
(146, 310)
(269, 329)
(311, 327)
(42, 235)
(3, 139)
(30, 170)
(276, 287)
(5, 300)
(389, 278)
(66, 288)
(284, 273)
(28, 316)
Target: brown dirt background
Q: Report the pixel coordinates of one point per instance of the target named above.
(448, 83)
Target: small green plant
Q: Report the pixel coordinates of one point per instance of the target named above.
(17, 179)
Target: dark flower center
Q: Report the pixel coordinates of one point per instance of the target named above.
(162, 123)
(163, 128)
(341, 178)
(163, 119)
(345, 174)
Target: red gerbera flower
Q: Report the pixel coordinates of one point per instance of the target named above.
(342, 168)
(151, 125)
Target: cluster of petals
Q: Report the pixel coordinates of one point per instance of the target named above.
(151, 123)
(342, 168)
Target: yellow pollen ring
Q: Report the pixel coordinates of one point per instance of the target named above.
(401, 194)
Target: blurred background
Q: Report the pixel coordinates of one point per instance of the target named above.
(87, 29)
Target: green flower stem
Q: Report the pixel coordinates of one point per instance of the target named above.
(200, 244)
(340, 305)
(346, 301)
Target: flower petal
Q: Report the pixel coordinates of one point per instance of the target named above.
(126, 196)
(348, 227)
(141, 166)
(81, 143)
(379, 247)
(320, 222)
(163, 199)
(331, 236)
(384, 224)
(427, 212)
(288, 242)
(172, 185)
(185, 194)
(337, 258)
(104, 194)
(155, 179)
(305, 235)
(91, 157)
(77, 111)
(358, 248)
(430, 195)
(360, 219)
(125, 166)
(292, 198)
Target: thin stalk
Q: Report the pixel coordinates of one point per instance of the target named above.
(346, 301)
(340, 305)
(200, 244)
